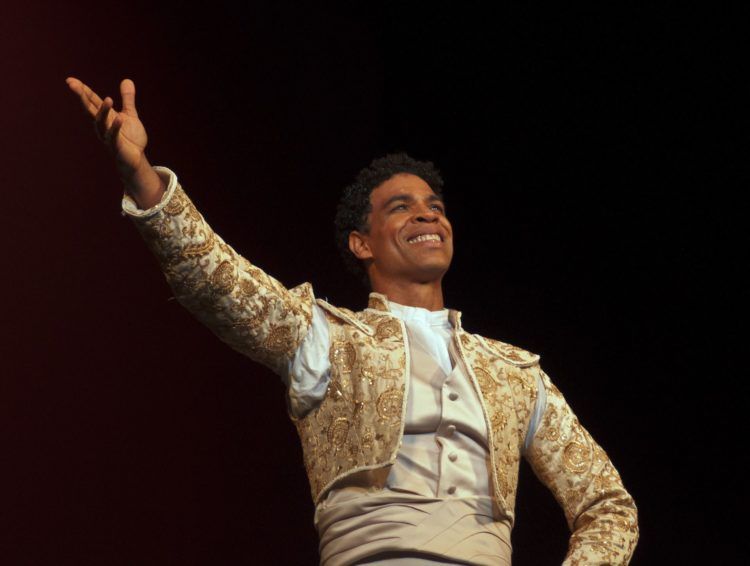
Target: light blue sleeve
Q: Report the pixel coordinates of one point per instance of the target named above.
(539, 408)
(310, 369)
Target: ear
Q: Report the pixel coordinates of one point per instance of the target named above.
(359, 245)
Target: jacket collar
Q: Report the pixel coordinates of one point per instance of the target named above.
(379, 302)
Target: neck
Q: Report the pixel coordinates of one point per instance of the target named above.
(408, 293)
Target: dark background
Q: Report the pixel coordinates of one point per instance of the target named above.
(590, 158)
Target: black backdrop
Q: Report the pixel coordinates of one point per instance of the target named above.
(588, 155)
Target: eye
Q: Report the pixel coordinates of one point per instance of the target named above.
(439, 207)
(399, 206)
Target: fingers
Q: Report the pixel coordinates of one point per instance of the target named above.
(103, 120)
(114, 131)
(89, 99)
(107, 121)
(127, 92)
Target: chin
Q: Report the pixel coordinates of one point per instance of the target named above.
(432, 272)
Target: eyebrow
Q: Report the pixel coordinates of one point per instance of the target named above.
(409, 198)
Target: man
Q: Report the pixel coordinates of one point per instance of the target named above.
(412, 428)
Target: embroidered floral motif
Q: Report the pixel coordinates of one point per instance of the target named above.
(388, 371)
(176, 204)
(389, 405)
(499, 420)
(576, 457)
(377, 302)
(338, 431)
(486, 383)
(256, 320)
(280, 339)
(343, 355)
(388, 329)
(197, 250)
(223, 279)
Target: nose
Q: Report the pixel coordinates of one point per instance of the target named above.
(426, 215)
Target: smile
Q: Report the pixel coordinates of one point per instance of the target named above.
(425, 238)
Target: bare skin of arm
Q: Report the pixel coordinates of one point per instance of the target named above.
(125, 137)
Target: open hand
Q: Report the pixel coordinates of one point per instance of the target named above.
(124, 135)
(122, 132)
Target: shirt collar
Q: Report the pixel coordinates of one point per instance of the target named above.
(380, 302)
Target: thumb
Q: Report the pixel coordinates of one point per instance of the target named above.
(127, 92)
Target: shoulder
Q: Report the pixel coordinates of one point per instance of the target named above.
(379, 325)
(344, 317)
(507, 352)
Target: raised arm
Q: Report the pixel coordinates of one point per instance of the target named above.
(248, 309)
(601, 514)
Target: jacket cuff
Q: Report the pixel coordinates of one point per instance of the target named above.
(130, 208)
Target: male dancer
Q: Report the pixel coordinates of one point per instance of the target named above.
(412, 428)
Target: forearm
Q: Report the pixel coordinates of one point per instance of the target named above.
(607, 531)
(248, 309)
(143, 184)
(601, 514)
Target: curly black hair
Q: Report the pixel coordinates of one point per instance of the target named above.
(354, 205)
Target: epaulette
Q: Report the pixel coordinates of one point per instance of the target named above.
(511, 354)
(345, 314)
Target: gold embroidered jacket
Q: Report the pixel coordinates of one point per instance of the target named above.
(359, 424)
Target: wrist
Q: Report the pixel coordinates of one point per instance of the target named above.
(143, 184)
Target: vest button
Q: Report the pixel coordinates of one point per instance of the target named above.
(452, 489)
(450, 429)
(453, 396)
(452, 456)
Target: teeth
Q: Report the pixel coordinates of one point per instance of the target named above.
(425, 238)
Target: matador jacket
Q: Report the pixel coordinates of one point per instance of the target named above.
(359, 424)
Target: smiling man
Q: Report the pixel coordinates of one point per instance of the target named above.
(412, 428)
(406, 242)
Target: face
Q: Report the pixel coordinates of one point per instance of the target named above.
(409, 236)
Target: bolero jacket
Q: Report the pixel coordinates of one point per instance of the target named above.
(358, 426)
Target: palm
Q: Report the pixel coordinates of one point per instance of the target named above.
(130, 144)
(122, 131)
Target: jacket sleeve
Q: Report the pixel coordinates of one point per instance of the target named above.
(245, 307)
(601, 514)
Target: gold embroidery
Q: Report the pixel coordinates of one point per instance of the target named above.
(338, 431)
(343, 355)
(359, 406)
(519, 378)
(198, 250)
(572, 498)
(368, 373)
(512, 353)
(191, 215)
(502, 478)
(334, 390)
(551, 432)
(499, 420)
(377, 303)
(606, 479)
(223, 279)
(389, 372)
(176, 204)
(387, 329)
(248, 287)
(576, 457)
(279, 339)
(369, 318)
(367, 438)
(484, 377)
(389, 405)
